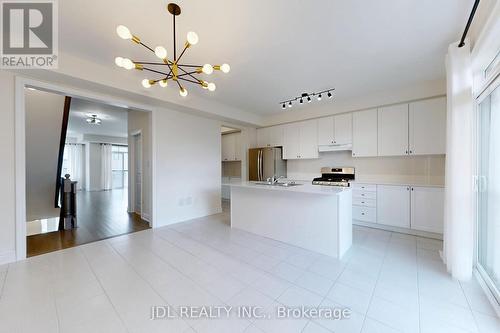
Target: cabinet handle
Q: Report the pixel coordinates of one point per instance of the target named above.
(407, 188)
(406, 152)
(362, 213)
(412, 188)
(362, 202)
(411, 152)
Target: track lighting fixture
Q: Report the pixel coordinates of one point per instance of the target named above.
(307, 97)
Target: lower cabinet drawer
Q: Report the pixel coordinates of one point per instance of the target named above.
(364, 202)
(367, 214)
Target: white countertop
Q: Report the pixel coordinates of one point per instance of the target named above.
(303, 188)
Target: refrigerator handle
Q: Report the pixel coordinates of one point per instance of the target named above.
(258, 165)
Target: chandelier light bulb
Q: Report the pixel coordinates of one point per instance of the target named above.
(146, 83)
(211, 86)
(160, 52)
(192, 38)
(119, 61)
(207, 69)
(123, 32)
(329, 95)
(163, 83)
(127, 63)
(319, 97)
(289, 104)
(225, 68)
(183, 92)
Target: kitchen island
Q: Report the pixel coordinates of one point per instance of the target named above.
(316, 218)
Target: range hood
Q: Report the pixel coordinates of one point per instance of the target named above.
(324, 148)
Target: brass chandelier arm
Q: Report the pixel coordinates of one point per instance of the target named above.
(155, 71)
(191, 75)
(197, 66)
(182, 53)
(187, 80)
(149, 63)
(188, 73)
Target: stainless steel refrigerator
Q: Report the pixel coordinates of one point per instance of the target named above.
(264, 163)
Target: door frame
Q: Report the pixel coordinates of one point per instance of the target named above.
(131, 185)
(20, 145)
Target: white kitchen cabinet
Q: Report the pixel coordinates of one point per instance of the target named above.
(427, 127)
(393, 130)
(364, 133)
(335, 130)
(343, 129)
(270, 136)
(427, 208)
(326, 130)
(230, 147)
(301, 140)
(393, 205)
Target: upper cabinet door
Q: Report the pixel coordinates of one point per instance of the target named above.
(428, 127)
(343, 129)
(427, 211)
(364, 133)
(326, 131)
(263, 137)
(237, 146)
(393, 130)
(309, 139)
(276, 134)
(228, 147)
(291, 147)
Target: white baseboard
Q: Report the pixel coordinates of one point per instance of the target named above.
(7, 257)
(399, 230)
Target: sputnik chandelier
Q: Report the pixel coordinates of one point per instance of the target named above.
(169, 69)
(307, 97)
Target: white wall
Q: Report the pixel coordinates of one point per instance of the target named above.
(7, 169)
(411, 169)
(44, 114)
(93, 167)
(140, 121)
(188, 166)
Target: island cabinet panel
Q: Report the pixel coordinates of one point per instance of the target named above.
(427, 208)
(301, 140)
(393, 130)
(364, 133)
(428, 127)
(393, 205)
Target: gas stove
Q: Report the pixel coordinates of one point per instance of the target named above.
(335, 176)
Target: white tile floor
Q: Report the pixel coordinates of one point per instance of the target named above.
(391, 282)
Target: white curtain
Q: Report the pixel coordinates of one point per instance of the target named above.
(106, 170)
(458, 215)
(74, 163)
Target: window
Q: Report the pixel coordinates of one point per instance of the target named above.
(119, 166)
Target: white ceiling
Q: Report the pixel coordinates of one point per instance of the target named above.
(114, 119)
(278, 49)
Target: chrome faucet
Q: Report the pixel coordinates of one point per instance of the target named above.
(274, 179)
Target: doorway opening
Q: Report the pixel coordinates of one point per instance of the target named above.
(231, 159)
(82, 147)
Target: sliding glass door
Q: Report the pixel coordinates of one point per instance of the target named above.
(120, 167)
(488, 204)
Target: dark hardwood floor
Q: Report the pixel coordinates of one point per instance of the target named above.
(100, 215)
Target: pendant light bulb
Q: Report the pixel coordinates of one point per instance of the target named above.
(119, 61)
(163, 83)
(211, 86)
(123, 32)
(127, 63)
(207, 69)
(225, 68)
(161, 52)
(192, 38)
(146, 83)
(183, 92)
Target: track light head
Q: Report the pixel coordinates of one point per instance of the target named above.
(284, 106)
(329, 95)
(301, 101)
(308, 99)
(289, 104)
(319, 97)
